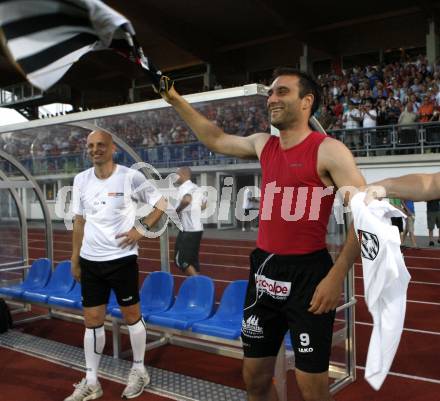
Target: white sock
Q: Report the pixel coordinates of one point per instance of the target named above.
(94, 341)
(138, 339)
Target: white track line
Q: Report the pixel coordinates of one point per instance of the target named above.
(221, 265)
(228, 255)
(358, 265)
(203, 264)
(410, 301)
(158, 260)
(433, 333)
(185, 276)
(422, 268)
(205, 253)
(411, 282)
(419, 378)
(158, 250)
(171, 242)
(422, 257)
(241, 256)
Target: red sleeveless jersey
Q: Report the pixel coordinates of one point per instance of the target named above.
(295, 204)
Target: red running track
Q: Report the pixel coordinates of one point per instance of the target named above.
(415, 373)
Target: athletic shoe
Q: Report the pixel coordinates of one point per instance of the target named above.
(136, 383)
(85, 392)
(431, 243)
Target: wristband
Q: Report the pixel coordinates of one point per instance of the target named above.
(145, 225)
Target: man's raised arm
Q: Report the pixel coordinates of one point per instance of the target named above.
(209, 134)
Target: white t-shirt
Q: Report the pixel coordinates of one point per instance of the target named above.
(385, 282)
(368, 121)
(247, 199)
(349, 116)
(191, 215)
(109, 208)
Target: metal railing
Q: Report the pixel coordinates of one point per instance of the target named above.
(379, 141)
(19, 93)
(163, 156)
(418, 138)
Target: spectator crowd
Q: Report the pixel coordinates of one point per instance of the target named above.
(147, 129)
(402, 92)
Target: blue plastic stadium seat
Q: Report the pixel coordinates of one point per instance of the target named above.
(157, 295)
(70, 300)
(60, 283)
(288, 341)
(38, 276)
(194, 302)
(112, 302)
(226, 322)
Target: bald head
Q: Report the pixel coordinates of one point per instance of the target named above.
(100, 147)
(184, 174)
(102, 135)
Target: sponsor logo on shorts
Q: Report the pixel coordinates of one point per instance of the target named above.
(276, 289)
(251, 328)
(127, 299)
(304, 339)
(305, 350)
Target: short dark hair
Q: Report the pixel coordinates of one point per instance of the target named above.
(307, 85)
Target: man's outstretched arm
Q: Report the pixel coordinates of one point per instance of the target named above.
(212, 136)
(415, 187)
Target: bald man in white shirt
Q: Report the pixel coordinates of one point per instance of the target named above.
(104, 256)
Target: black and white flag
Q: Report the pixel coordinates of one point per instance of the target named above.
(44, 38)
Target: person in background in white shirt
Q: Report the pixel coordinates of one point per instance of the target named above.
(369, 115)
(249, 203)
(104, 256)
(351, 120)
(191, 203)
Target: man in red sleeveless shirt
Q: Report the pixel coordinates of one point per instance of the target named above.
(293, 283)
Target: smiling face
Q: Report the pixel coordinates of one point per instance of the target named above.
(183, 174)
(284, 103)
(100, 147)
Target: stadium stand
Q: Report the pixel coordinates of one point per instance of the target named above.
(404, 95)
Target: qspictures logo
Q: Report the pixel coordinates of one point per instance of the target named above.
(220, 202)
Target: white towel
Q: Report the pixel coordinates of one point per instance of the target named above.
(385, 282)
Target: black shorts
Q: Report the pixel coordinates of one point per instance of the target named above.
(398, 222)
(98, 278)
(286, 284)
(433, 220)
(186, 249)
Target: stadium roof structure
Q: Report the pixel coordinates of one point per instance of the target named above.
(238, 37)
